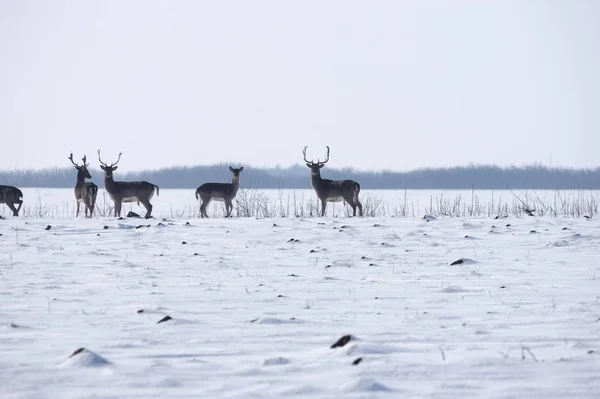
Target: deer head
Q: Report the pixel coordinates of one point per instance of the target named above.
(83, 169)
(315, 166)
(236, 172)
(109, 169)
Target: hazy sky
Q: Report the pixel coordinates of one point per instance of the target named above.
(386, 84)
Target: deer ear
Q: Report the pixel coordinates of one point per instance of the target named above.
(114, 167)
(320, 166)
(230, 169)
(241, 168)
(307, 164)
(102, 167)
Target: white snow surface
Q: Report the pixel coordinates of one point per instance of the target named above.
(255, 305)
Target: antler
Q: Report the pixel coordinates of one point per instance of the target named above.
(73, 162)
(118, 159)
(318, 160)
(304, 153)
(112, 164)
(326, 160)
(100, 159)
(84, 161)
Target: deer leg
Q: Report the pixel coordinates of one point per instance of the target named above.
(92, 205)
(117, 208)
(323, 206)
(148, 207)
(353, 206)
(12, 207)
(20, 202)
(203, 207)
(359, 205)
(77, 212)
(228, 208)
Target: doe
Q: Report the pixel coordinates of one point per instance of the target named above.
(219, 192)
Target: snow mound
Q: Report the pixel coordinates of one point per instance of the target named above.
(273, 361)
(559, 243)
(85, 358)
(365, 385)
(453, 290)
(275, 320)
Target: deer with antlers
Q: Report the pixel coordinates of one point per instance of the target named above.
(220, 192)
(10, 196)
(333, 190)
(130, 191)
(85, 192)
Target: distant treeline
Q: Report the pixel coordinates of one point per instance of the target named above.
(463, 177)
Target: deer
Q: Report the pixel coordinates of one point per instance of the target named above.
(220, 192)
(10, 196)
(127, 191)
(85, 192)
(333, 190)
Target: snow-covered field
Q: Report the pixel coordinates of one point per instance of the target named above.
(256, 304)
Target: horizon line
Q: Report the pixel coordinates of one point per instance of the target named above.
(353, 168)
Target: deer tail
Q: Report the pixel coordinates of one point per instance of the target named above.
(157, 189)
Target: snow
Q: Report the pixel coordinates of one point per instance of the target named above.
(256, 304)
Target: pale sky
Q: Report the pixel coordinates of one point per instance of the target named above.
(386, 84)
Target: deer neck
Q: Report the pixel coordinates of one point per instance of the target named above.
(109, 181)
(235, 183)
(316, 179)
(80, 177)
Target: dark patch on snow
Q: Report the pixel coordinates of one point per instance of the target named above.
(357, 361)
(457, 262)
(166, 318)
(48, 227)
(78, 351)
(141, 311)
(132, 214)
(341, 342)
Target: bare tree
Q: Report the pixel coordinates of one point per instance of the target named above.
(131, 191)
(220, 192)
(333, 190)
(85, 192)
(10, 196)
